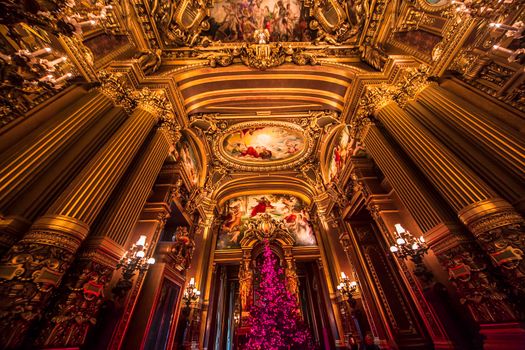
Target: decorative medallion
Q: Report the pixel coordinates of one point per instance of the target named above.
(256, 146)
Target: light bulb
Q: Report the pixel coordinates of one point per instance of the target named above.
(142, 241)
(140, 254)
(399, 229)
(198, 292)
(192, 281)
(343, 276)
(151, 261)
(339, 287)
(394, 249)
(422, 239)
(400, 241)
(353, 284)
(415, 246)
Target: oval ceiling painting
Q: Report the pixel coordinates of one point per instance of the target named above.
(264, 144)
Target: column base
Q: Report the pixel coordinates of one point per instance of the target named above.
(503, 336)
(12, 228)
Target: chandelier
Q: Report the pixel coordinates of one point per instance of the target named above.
(408, 246)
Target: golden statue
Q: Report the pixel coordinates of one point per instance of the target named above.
(245, 282)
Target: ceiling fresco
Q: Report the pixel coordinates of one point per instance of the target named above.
(189, 160)
(205, 23)
(285, 20)
(285, 208)
(344, 147)
(263, 144)
(256, 146)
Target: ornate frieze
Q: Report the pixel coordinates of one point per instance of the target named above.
(263, 56)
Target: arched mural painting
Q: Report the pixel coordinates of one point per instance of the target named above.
(286, 208)
(189, 160)
(344, 147)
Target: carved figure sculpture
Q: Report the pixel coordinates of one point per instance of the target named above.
(245, 282)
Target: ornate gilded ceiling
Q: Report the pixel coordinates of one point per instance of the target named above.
(170, 24)
(241, 90)
(270, 91)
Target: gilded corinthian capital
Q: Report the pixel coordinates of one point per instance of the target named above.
(114, 86)
(154, 101)
(375, 98)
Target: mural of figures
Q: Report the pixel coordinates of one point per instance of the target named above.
(344, 147)
(267, 143)
(286, 208)
(189, 160)
(237, 20)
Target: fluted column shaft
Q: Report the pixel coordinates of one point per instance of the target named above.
(24, 162)
(36, 197)
(94, 266)
(505, 145)
(34, 267)
(454, 250)
(503, 182)
(495, 224)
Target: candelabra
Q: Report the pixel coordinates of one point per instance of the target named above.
(408, 246)
(134, 260)
(512, 32)
(191, 294)
(347, 288)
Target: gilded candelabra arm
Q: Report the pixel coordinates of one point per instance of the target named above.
(191, 295)
(348, 289)
(410, 247)
(134, 260)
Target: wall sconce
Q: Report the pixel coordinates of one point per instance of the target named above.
(134, 260)
(191, 294)
(347, 288)
(409, 246)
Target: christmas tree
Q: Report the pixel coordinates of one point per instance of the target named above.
(276, 323)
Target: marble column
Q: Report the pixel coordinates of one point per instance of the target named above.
(494, 223)
(33, 268)
(30, 158)
(501, 143)
(494, 151)
(81, 293)
(457, 253)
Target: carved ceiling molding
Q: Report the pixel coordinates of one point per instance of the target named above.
(117, 87)
(392, 72)
(263, 56)
(250, 184)
(413, 81)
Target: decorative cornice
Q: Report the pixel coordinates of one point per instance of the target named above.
(263, 56)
